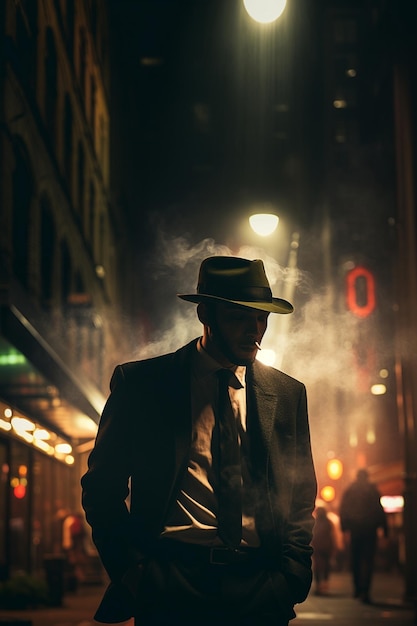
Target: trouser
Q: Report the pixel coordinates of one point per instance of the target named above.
(363, 547)
(169, 619)
(179, 591)
(321, 565)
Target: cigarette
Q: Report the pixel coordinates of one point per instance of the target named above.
(257, 345)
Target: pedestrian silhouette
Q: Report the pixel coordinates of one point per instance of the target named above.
(361, 515)
(324, 545)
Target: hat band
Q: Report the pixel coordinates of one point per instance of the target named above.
(245, 294)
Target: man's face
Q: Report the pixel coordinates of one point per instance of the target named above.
(232, 332)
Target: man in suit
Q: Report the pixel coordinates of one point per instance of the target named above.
(361, 517)
(198, 543)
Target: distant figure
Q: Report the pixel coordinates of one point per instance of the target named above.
(73, 542)
(361, 515)
(324, 544)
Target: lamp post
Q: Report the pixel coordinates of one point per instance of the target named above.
(406, 340)
(265, 224)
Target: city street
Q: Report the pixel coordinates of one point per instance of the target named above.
(339, 608)
(277, 151)
(336, 609)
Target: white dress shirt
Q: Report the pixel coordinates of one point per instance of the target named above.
(193, 517)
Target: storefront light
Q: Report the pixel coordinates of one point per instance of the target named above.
(41, 434)
(392, 504)
(378, 389)
(28, 437)
(35, 435)
(21, 424)
(5, 425)
(63, 448)
(43, 445)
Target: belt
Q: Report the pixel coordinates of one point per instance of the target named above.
(218, 555)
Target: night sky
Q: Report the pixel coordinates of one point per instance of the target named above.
(207, 52)
(215, 117)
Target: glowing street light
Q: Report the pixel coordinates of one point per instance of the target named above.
(378, 389)
(264, 11)
(334, 468)
(264, 224)
(328, 493)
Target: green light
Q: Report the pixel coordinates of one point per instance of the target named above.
(12, 358)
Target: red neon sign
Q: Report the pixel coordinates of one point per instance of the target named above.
(353, 279)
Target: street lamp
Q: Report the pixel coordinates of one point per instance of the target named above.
(264, 11)
(264, 224)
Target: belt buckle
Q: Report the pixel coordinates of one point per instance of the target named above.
(222, 556)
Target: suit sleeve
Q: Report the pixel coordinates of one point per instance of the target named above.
(297, 548)
(105, 485)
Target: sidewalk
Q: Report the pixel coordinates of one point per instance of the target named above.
(77, 610)
(339, 608)
(336, 609)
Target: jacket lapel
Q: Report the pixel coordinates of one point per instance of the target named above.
(264, 400)
(179, 408)
(181, 400)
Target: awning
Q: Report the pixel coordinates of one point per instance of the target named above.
(35, 379)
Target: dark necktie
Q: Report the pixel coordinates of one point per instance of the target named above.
(229, 490)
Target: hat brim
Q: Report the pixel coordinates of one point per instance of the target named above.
(277, 305)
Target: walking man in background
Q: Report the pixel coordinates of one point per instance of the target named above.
(361, 515)
(214, 449)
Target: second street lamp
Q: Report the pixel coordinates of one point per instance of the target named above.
(264, 224)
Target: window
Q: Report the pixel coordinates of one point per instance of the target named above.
(91, 212)
(93, 106)
(66, 272)
(26, 25)
(68, 121)
(22, 188)
(50, 83)
(80, 179)
(47, 247)
(82, 60)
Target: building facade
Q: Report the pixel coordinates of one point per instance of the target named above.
(62, 283)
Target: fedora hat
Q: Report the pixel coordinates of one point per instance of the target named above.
(238, 281)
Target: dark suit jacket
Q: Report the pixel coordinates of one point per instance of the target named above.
(145, 434)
